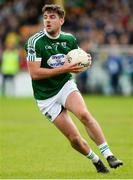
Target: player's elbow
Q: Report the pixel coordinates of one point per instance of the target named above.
(34, 75)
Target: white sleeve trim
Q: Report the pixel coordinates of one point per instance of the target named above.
(29, 58)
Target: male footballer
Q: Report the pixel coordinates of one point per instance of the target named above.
(55, 90)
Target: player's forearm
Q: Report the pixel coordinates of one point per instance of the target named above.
(43, 73)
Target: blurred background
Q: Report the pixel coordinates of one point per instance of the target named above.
(103, 28)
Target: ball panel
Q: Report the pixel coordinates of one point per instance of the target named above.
(81, 57)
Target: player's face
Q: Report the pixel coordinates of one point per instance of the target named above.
(52, 23)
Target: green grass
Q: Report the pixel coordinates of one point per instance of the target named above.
(31, 147)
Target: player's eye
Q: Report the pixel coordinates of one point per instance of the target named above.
(45, 17)
(52, 16)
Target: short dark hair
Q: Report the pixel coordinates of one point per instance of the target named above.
(54, 8)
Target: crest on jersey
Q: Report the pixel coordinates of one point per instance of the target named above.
(56, 60)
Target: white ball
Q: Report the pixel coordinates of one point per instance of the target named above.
(81, 57)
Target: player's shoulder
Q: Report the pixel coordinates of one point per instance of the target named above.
(68, 35)
(35, 38)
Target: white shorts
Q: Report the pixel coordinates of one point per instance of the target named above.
(53, 106)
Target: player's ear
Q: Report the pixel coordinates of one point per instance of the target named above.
(62, 21)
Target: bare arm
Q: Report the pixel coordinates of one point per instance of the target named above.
(38, 72)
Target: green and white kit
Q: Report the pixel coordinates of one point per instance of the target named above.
(51, 51)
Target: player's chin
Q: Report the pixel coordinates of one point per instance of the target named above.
(50, 31)
(49, 28)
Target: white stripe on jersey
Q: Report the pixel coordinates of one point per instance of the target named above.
(31, 47)
(32, 38)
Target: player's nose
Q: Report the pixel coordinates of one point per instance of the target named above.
(48, 19)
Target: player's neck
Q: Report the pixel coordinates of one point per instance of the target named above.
(54, 35)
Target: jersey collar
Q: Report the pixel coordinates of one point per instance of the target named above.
(51, 37)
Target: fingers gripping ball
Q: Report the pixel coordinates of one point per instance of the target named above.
(81, 57)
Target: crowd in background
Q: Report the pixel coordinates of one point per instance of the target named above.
(93, 22)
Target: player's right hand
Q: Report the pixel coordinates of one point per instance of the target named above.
(72, 68)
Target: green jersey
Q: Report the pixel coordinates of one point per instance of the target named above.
(51, 52)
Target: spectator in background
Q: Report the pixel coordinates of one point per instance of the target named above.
(113, 64)
(9, 68)
(114, 68)
(130, 69)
